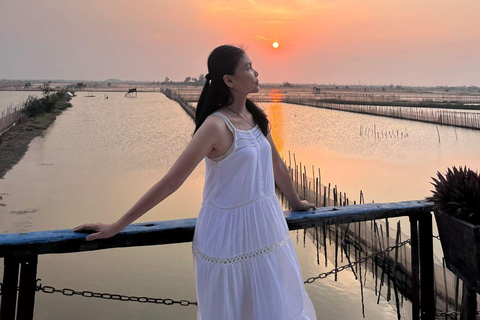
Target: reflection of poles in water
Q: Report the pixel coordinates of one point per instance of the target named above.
(391, 271)
(353, 240)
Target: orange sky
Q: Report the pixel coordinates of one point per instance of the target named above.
(343, 42)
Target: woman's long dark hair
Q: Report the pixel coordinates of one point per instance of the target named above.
(216, 94)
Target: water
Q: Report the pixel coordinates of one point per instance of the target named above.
(386, 169)
(91, 165)
(100, 156)
(15, 98)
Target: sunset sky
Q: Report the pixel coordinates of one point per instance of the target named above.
(406, 42)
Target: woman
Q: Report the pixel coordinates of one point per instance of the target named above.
(245, 262)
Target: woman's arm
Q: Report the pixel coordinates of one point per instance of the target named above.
(283, 181)
(202, 143)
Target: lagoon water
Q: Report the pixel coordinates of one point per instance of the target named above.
(101, 155)
(15, 98)
(386, 169)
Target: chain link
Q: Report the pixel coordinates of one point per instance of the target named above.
(352, 264)
(107, 296)
(118, 297)
(450, 313)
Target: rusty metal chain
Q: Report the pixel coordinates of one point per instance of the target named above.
(352, 264)
(108, 296)
(450, 314)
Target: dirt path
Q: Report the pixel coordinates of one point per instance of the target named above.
(14, 143)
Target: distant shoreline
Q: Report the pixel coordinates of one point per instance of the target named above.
(154, 86)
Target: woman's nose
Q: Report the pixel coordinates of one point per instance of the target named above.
(256, 73)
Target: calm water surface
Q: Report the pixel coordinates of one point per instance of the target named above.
(100, 156)
(386, 169)
(15, 98)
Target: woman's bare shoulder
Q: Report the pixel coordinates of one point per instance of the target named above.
(214, 124)
(215, 120)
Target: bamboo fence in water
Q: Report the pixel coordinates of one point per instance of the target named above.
(9, 117)
(437, 115)
(469, 120)
(387, 274)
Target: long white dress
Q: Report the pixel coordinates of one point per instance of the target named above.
(245, 263)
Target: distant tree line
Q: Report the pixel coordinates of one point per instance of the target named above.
(200, 80)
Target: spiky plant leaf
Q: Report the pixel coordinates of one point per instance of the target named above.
(457, 194)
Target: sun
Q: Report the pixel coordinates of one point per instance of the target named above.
(275, 45)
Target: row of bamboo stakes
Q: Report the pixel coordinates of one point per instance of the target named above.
(192, 94)
(452, 117)
(390, 271)
(9, 117)
(380, 134)
(312, 189)
(388, 274)
(379, 96)
(470, 120)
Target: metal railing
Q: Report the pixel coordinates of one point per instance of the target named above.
(20, 250)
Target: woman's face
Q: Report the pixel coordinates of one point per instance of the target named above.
(244, 80)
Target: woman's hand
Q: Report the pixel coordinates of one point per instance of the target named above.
(202, 143)
(100, 230)
(302, 206)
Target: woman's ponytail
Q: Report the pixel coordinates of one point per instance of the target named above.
(201, 103)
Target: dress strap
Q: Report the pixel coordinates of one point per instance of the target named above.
(227, 122)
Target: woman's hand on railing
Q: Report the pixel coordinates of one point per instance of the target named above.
(100, 230)
(303, 205)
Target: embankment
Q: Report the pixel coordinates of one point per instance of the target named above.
(41, 113)
(183, 103)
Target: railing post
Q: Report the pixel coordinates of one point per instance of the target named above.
(9, 289)
(426, 267)
(415, 267)
(26, 295)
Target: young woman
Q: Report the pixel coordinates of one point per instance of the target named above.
(245, 262)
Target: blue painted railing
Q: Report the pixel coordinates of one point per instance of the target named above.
(22, 249)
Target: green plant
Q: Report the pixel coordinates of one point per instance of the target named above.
(33, 106)
(458, 194)
(46, 89)
(36, 106)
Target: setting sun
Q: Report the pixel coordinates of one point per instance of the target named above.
(275, 45)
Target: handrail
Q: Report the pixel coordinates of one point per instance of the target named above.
(20, 250)
(178, 231)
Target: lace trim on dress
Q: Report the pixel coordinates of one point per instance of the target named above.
(209, 203)
(245, 256)
(250, 140)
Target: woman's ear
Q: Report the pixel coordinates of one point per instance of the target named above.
(228, 80)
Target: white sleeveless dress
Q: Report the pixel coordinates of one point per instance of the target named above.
(245, 263)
